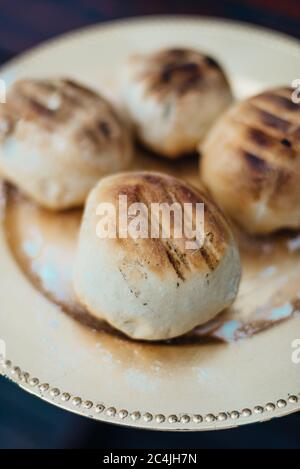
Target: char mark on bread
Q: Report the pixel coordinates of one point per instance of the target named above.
(282, 102)
(274, 121)
(256, 163)
(259, 137)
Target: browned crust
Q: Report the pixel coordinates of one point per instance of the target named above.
(162, 255)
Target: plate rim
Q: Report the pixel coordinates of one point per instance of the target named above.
(109, 413)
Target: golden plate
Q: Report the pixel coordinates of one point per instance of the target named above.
(238, 370)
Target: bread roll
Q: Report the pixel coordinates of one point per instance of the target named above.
(172, 97)
(57, 138)
(251, 162)
(154, 288)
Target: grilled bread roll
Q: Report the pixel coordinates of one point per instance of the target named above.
(154, 288)
(172, 97)
(251, 162)
(57, 138)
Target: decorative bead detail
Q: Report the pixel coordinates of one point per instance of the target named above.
(76, 401)
(15, 371)
(123, 414)
(24, 377)
(234, 415)
(87, 404)
(185, 418)
(18, 374)
(135, 416)
(111, 412)
(246, 412)
(258, 409)
(33, 382)
(148, 417)
(99, 408)
(65, 397)
(160, 418)
(172, 419)
(293, 399)
(270, 407)
(197, 418)
(281, 403)
(44, 387)
(210, 418)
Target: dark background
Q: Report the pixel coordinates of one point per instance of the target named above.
(27, 422)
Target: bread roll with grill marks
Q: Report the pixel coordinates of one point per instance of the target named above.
(251, 162)
(172, 97)
(154, 288)
(57, 138)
